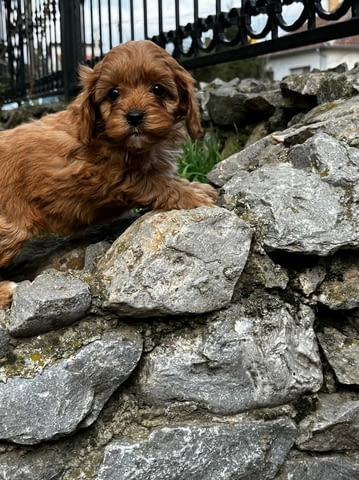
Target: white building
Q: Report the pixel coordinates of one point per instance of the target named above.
(319, 56)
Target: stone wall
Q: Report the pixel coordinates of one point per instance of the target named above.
(216, 343)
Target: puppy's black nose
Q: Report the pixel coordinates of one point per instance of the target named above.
(135, 117)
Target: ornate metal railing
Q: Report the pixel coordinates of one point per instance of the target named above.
(233, 34)
(30, 48)
(43, 41)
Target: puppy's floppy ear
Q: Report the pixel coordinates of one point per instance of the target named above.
(88, 77)
(188, 106)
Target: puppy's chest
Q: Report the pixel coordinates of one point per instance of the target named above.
(114, 182)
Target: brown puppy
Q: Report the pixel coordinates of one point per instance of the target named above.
(113, 149)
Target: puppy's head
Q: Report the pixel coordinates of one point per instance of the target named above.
(137, 94)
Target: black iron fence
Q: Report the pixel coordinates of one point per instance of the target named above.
(43, 41)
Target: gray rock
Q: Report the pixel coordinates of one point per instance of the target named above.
(182, 261)
(323, 86)
(70, 394)
(335, 162)
(51, 301)
(241, 451)
(262, 105)
(4, 342)
(30, 467)
(338, 119)
(341, 294)
(334, 426)
(350, 327)
(319, 468)
(225, 106)
(243, 160)
(338, 85)
(252, 85)
(203, 95)
(93, 253)
(257, 354)
(306, 84)
(280, 198)
(257, 133)
(264, 151)
(261, 271)
(311, 278)
(342, 353)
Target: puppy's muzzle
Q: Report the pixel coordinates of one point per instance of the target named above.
(135, 117)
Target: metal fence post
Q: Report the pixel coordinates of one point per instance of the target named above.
(71, 44)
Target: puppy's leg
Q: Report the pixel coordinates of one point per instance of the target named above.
(7, 290)
(179, 193)
(12, 238)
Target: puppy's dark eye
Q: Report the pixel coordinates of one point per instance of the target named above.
(158, 90)
(113, 93)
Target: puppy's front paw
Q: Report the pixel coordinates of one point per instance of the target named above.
(196, 194)
(7, 290)
(205, 189)
(186, 195)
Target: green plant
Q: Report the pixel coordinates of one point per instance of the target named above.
(198, 158)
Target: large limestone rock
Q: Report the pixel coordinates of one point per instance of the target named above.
(255, 155)
(68, 395)
(51, 301)
(30, 467)
(246, 450)
(338, 119)
(334, 467)
(333, 426)
(281, 200)
(323, 86)
(342, 353)
(4, 342)
(226, 106)
(259, 353)
(334, 161)
(182, 261)
(341, 294)
(230, 103)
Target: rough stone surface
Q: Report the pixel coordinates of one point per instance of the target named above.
(52, 300)
(262, 271)
(248, 159)
(256, 354)
(93, 253)
(15, 467)
(334, 426)
(342, 353)
(281, 198)
(4, 342)
(341, 294)
(306, 84)
(319, 468)
(334, 161)
(323, 86)
(184, 261)
(247, 450)
(337, 119)
(68, 395)
(226, 106)
(311, 278)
